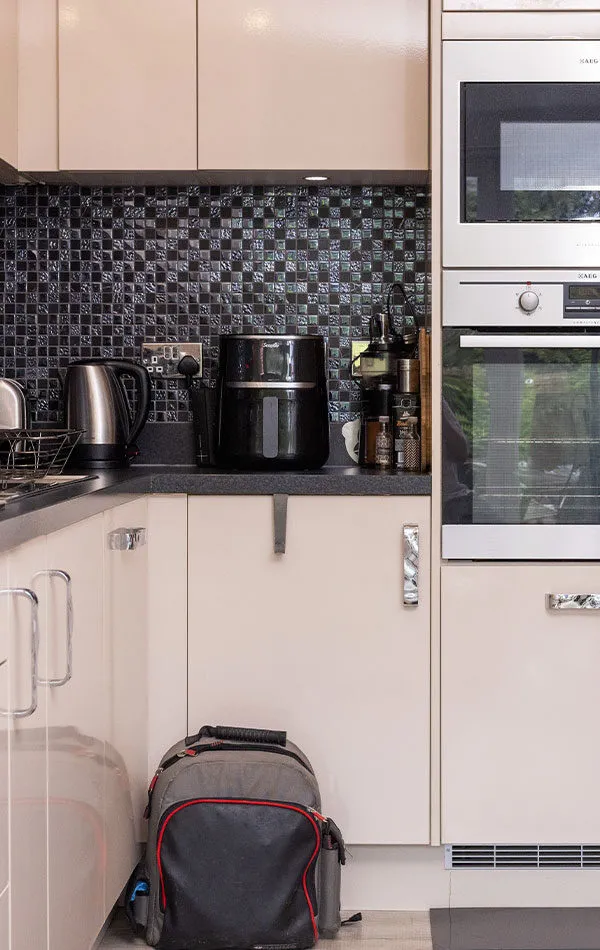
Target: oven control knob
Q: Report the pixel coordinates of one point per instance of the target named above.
(528, 301)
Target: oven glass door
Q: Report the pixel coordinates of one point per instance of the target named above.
(521, 428)
(530, 151)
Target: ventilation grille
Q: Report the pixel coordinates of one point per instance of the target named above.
(522, 856)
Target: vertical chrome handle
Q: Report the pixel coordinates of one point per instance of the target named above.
(126, 539)
(63, 576)
(34, 647)
(411, 565)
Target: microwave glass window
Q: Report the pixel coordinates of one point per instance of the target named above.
(530, 151)
(521, 434)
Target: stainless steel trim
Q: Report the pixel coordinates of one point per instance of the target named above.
(573, 601)
(23, 713)
(13, 407)
(484, 24)
(508, 542)
(63, 576)
(280, 503)
(410, 547)
(276, 336)
(503, 244)
(270, 385)
(580, 341)
(127, 539)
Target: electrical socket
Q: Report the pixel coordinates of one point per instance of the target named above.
(162, 359)
(358, 347)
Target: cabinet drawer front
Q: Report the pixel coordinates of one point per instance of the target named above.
(520, 704)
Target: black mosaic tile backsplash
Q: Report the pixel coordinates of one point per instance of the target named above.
(94, 271)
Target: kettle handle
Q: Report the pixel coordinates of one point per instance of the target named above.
(142, 384)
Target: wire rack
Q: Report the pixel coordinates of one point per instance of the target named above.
(28, 455)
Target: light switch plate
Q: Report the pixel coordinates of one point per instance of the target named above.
(162, 359)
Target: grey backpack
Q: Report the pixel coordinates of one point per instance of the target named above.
(239, 854)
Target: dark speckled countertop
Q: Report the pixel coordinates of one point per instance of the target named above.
(32, 517)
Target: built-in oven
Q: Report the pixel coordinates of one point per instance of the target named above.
(521, 415)
(521, 152)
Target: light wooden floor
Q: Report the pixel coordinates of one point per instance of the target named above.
(407, 930)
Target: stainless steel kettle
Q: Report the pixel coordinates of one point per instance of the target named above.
(96, 401)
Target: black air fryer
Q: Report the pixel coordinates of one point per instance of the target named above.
(273, 409)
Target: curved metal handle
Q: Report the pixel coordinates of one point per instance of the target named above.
(411, 565)
(35, 644)
(573, 601)
(127, 539)
(61, 681)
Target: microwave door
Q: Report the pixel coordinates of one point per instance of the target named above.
(521, 153)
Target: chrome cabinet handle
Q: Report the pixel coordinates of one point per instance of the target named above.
(573, 601)
(411, 565)
(63, 576)
(516, 341)
(35, 644)
(127, 539)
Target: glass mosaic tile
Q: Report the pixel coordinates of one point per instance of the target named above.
(91, 272)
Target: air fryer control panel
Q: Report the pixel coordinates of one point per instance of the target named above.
(566, 299)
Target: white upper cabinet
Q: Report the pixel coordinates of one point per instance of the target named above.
(127, 85)
(314, 86)
(8, 81)
(38, 86)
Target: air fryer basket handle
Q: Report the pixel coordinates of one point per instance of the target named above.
(142, 384)
(238, 734)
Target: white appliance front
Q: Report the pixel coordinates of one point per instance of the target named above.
(521, 153)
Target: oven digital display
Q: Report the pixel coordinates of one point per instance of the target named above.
(584, 292)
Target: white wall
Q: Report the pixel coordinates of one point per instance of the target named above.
(395, 878)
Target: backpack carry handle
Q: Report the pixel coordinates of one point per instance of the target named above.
(238, 734)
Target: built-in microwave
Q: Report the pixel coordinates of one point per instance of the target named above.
(521, 153)
(521, 415)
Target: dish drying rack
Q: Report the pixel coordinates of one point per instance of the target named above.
(30, 455)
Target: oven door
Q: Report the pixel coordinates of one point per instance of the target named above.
(521, 153)
(521, 444)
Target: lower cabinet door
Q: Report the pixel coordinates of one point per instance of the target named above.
(520, 705)
(125, 618)
(72, 588)
(28, 772)
(4, 738)
(317, 641)
(4, 918)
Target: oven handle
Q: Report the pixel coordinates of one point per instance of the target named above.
(573, 341)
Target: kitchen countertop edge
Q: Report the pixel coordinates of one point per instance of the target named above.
(30, 518)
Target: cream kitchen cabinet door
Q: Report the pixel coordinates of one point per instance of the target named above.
(28, 766)
(520, 705)
(127, 85)
(8, 81)
(126, 633)
(314, 86)
(4, 740)
(317, 641)
(71, 590)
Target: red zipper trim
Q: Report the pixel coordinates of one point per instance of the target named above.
(234, 801)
